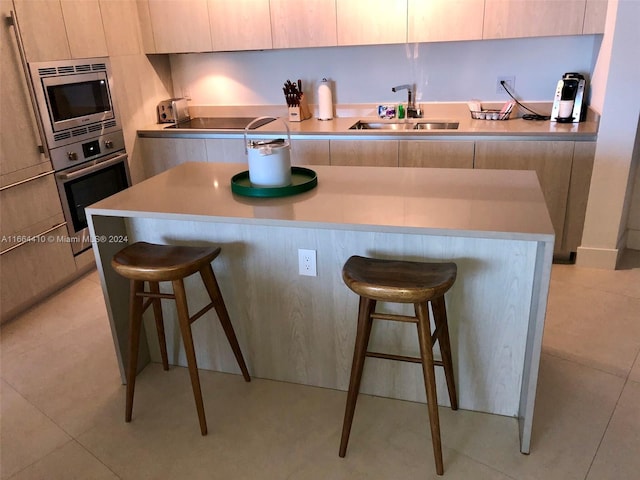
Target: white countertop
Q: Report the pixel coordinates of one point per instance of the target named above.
(455, 202)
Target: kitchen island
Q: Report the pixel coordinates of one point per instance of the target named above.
(494, 224)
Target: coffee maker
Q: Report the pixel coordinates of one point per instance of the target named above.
(568, 102)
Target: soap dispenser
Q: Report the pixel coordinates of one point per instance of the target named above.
(325, 101)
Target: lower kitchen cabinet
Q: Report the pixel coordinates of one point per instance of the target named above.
(226, 150)
(364, 153)
(552, 162)
(310, 152)
(160, 154)
(581, 169)
(436, 154)
(34, 270)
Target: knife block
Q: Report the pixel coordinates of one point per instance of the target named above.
(300, 112)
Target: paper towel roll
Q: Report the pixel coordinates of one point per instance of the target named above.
(325, 101)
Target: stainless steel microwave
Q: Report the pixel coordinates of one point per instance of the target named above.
(75, 99)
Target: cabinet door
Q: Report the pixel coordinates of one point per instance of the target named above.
(363, 22)
(551, 161)
(180, 26)
(85, 32)
(226, 150)
(310, 152)
(532, 18)
(296, 24)
(364, 153)
(436, 154)
(121, 27)
(29, 208)
(444, 20)
(43, 31)
(581, 169)
(240, 24)
(595, 16)
(32, 270)
(160, 154)
(19, 148)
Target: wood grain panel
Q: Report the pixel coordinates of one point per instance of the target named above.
(581, 169)
(296, 24)
(160, 154)
(364, 22)
(310, 152)
(43, 30)
(121, 27)
(550, 159)
(302, 329)
(444, 20)
(595, 16)
(33, 270)
(240, 24)
(436, 154)
(19, 151)
(227, 150)
(532, 18)
(85, 32)
(372, 153)
(180, 25)
(28, 204)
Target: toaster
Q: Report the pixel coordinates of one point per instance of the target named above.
(173, 110)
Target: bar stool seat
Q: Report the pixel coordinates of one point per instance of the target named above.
(396, 281)
(147, 262)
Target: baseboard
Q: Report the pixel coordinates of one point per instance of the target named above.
(606, 258)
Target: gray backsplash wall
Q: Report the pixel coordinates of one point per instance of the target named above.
(442, 72)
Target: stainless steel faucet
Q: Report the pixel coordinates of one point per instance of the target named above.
(412, 111)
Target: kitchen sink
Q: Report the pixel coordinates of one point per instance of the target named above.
(381, 126)
(436, 126)
(360, 125)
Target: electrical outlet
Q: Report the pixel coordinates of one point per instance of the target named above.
(307, 262)
(510, 82)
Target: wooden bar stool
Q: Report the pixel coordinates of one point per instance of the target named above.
(402, 282)
(146, 262)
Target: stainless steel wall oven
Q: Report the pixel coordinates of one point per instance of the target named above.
(80, 120)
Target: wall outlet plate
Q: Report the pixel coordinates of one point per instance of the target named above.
(307, 262)
(509, 80)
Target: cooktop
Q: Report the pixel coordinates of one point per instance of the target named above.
(221, 123)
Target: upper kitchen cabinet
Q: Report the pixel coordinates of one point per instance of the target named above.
(85, 32)
(595, 16)
(180, 26)
(532, 18)
(367, 22)
(296, 24)
(43, 31)
(444, 20)
(121, 27)
(240, 24)
(61, 29)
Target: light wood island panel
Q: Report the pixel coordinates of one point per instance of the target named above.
(493, 224)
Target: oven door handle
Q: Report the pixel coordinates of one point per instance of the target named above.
(92, 168)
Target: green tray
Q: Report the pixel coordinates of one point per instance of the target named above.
(302, 180)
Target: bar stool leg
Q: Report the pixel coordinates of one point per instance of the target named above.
(154, 287)
(426, 351)
(210, 282)
(135, 322)
(187, 338)
(366, 308)
(440, 319)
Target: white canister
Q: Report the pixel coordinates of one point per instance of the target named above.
(325, 101)
(269, 160)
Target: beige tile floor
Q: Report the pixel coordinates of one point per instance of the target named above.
(62, 406)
